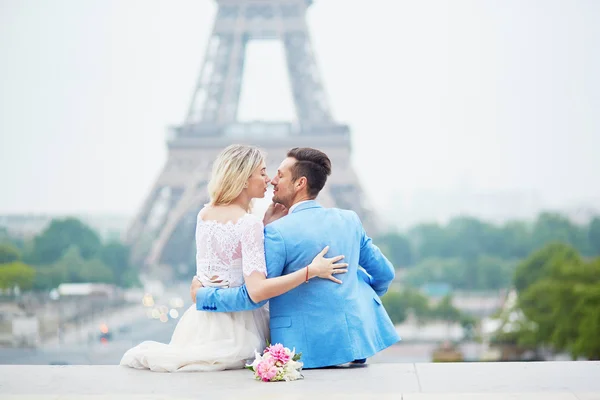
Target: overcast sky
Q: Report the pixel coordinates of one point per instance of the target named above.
(495, 96)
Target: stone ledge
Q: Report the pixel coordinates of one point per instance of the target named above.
(469, 381)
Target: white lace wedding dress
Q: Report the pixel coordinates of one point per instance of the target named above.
(210, 341)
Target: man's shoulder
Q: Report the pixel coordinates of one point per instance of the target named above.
(292, 221)
(346, 214)
(281, 223)
(349, 213)
(273, 225)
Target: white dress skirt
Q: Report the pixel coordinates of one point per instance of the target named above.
(205, 341)
(212, 341)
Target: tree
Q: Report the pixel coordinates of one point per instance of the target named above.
(7, 238)
(130, 278)
(72, 267)
(71, 262)
(491, 273)
(95, 271)
(561, 297)
(50, 276)
(447, 270)
(594, 236)
(399, 303)
(587, 342)
(539, 264)
(8, 253)
(395, 305)
(16, 274)
(470, 237)
(51, 244)
(482, 273)
(464, 237)
(515, 241)
(115, 256)
(553, 227)
(80, 270)
(446, 311)
(429, 240)
(417, 303)
(397, 248)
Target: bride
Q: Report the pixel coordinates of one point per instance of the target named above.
(230, 251)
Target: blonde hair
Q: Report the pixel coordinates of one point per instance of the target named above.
(231, 170)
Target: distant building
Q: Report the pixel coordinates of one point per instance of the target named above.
(86, 289)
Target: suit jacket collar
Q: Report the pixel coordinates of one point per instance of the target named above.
(306, 205)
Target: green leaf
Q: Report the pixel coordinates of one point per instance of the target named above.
(249, 368)
(297, 356)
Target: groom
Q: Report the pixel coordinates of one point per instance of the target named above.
(330, 323)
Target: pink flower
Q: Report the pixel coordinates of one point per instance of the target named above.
(279, 353)
(266, 369)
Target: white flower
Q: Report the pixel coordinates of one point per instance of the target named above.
(257, 359)
(292, 370)
(291, 374)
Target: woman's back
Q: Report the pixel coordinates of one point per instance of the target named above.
(229, 243)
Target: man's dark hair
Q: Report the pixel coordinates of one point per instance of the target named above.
(314, 165)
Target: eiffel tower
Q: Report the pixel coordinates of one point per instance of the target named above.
(162, 232)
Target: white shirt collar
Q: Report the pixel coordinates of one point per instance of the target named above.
(296, 205)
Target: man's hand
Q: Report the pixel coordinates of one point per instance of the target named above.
(274, 212)
(196, 284)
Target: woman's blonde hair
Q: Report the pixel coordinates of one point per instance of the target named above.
(231, 171)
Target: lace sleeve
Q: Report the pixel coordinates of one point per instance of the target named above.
(253, 247)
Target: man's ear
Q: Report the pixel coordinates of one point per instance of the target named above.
(301, 183)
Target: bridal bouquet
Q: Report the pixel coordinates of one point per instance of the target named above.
(277, 363)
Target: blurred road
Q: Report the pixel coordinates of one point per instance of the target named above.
(104, 340)
(83, 349)
(134, 324)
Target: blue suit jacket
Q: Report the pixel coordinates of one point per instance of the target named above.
(329, 323)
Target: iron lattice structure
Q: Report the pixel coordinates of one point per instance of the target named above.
(162, 233)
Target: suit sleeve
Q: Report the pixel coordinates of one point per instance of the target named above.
(238, 299)
(380, 270)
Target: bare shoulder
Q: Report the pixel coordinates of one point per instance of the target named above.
(222, 214)
(204, 211)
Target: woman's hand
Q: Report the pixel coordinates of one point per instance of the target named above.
(325, 267)
(196, 284)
